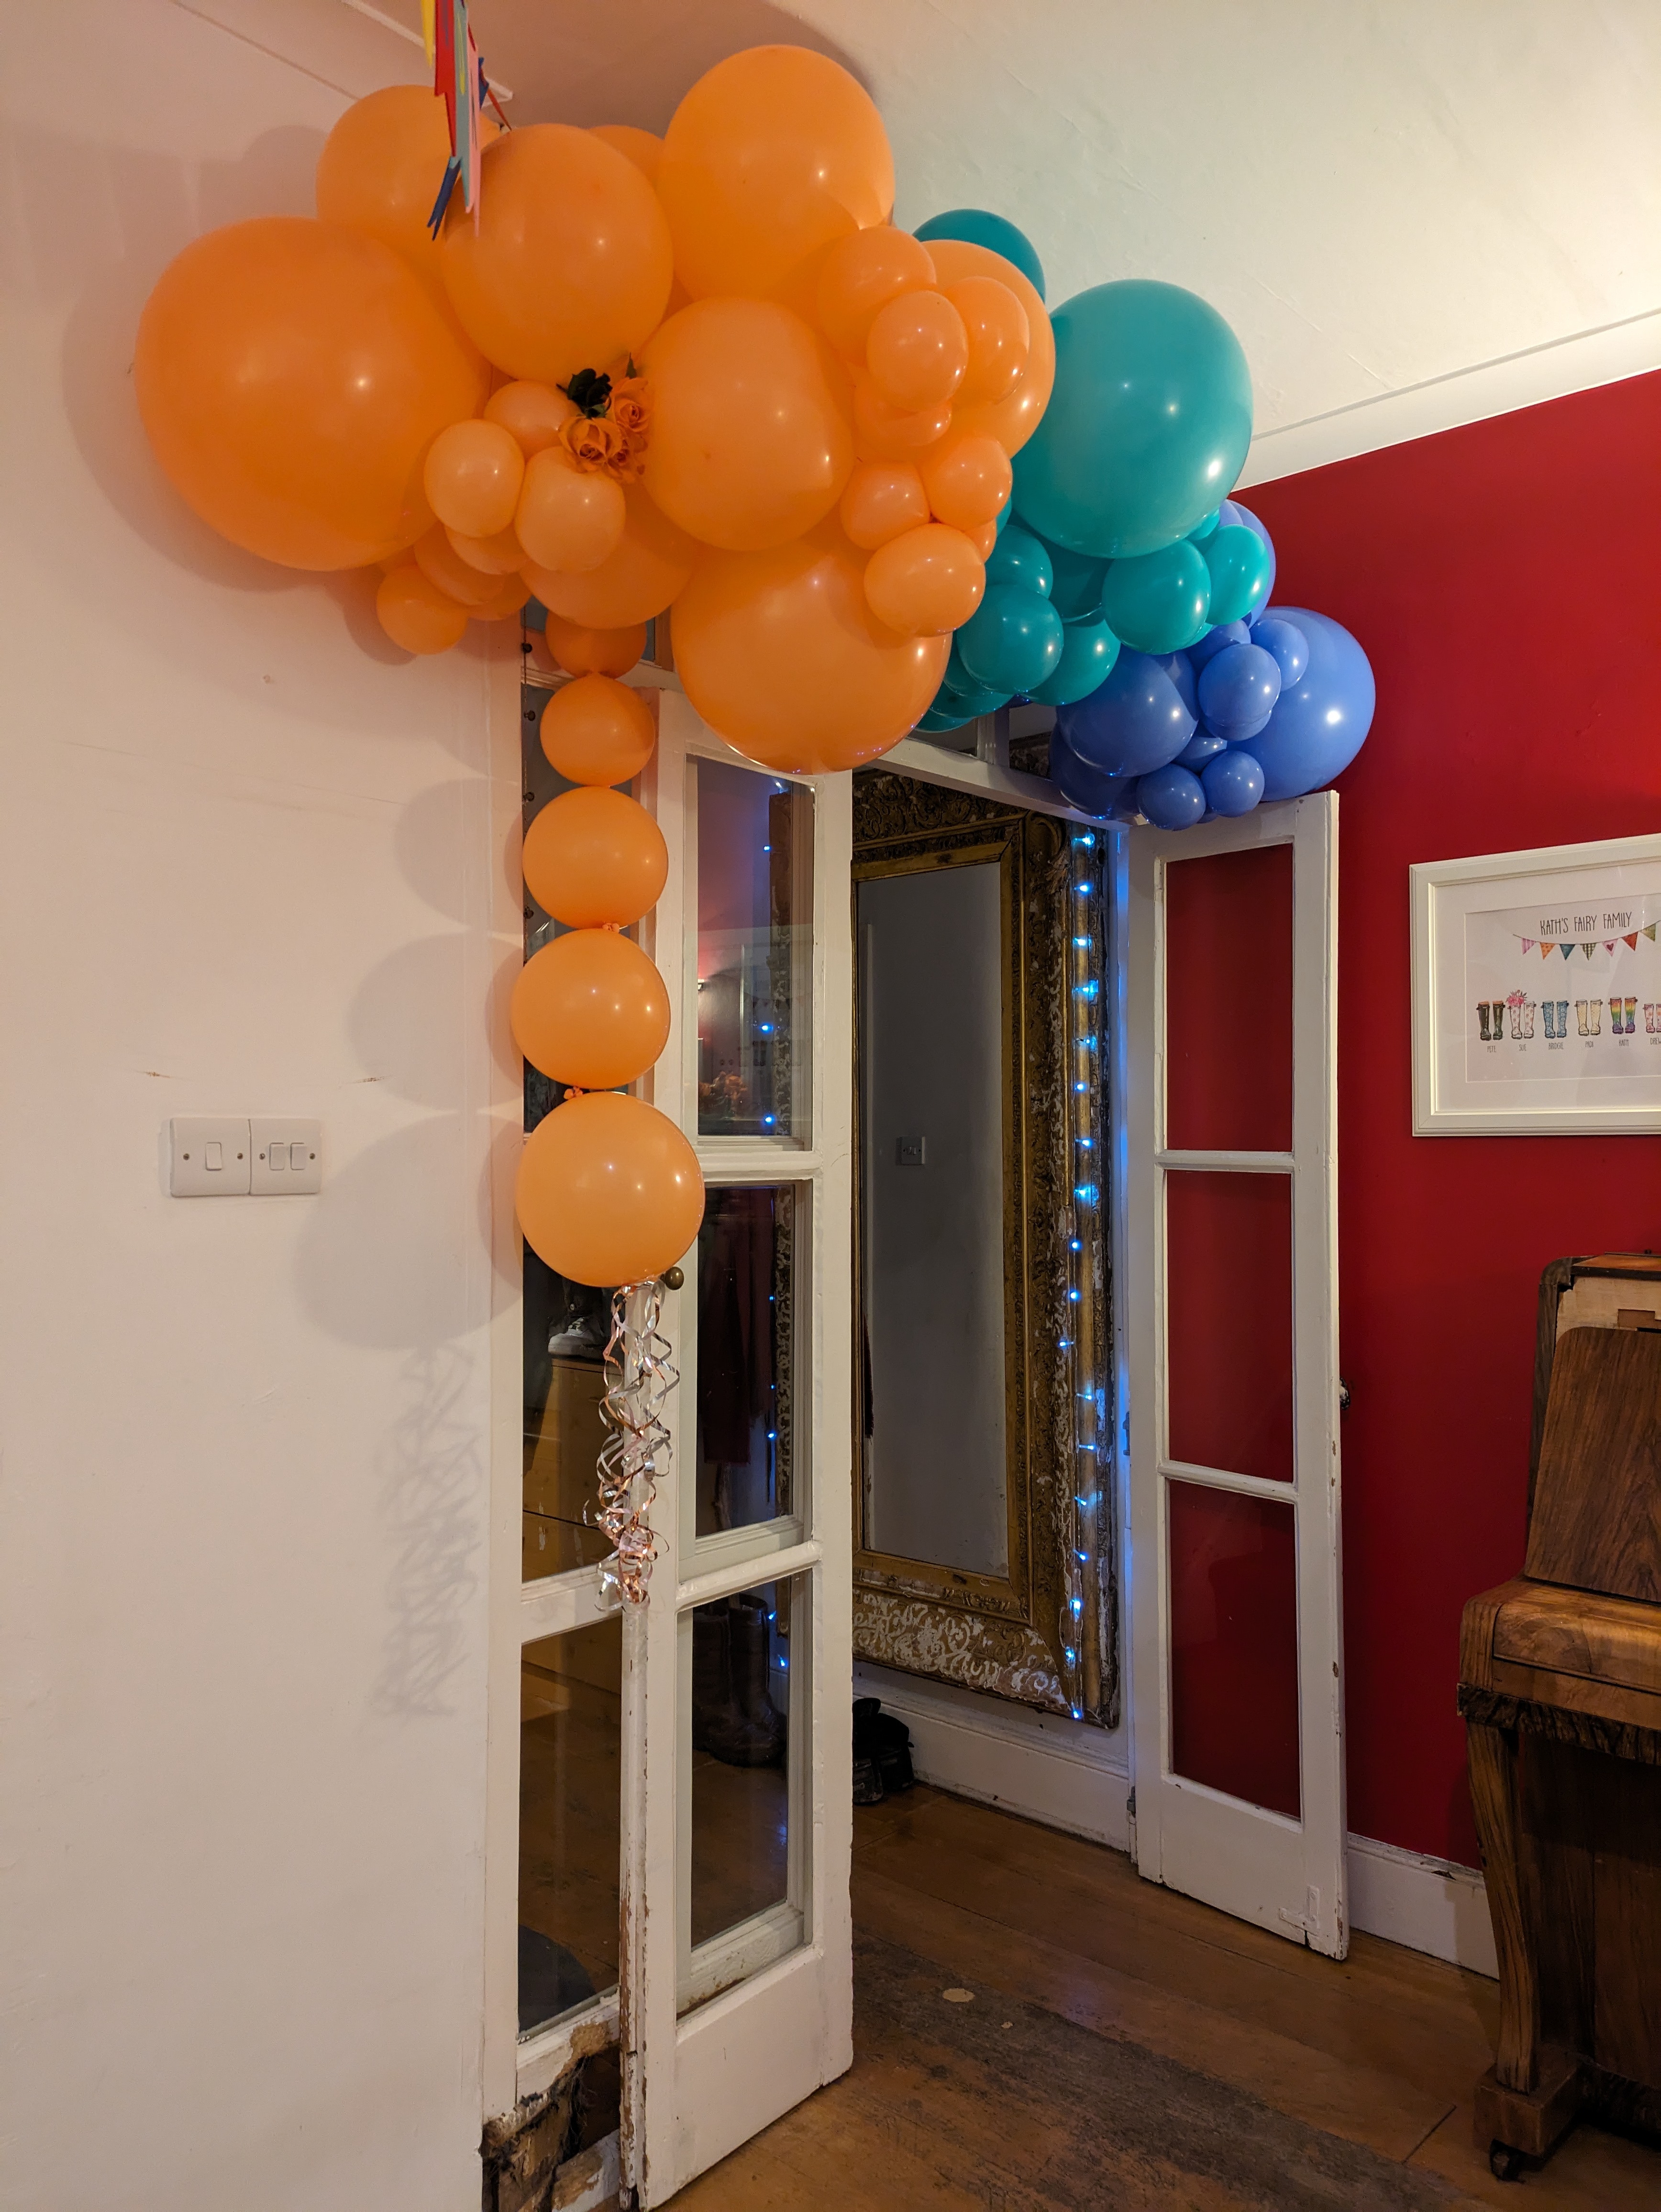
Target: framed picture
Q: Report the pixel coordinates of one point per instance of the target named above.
(1537, 992)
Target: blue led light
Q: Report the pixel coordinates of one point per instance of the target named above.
(766, 849)
(1086, 990)
(767, 1121)
(766, 1028)
(1074, 1297)
(1071, 1657)
(1081, 941)
(1078, 1605)
(1075, 1246)
(1085, 1193)
(772, 1437)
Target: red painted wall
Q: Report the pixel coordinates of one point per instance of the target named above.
(1506, 581)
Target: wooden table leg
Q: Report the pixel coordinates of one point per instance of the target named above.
(1493, 1758)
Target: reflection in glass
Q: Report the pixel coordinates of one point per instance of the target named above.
(566, 1326)
(755, 932)
(570, 1771)
(741, 1650)
(1234, 1644)
(746, 1356)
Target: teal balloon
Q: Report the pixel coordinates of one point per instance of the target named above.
(1006, 515)
(935, 719)
(1204, 528)
(1076, 590)
(1088, 653)
(966, 705)
(1147, 426)
(975, 227)
(1013, 640)
(1158, 601)
(1241, 567)
(1018, 557)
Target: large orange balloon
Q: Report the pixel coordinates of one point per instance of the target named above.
(569, 519)
(750, 442)
(643, 147)
(570, 266)
(593, 856)
(590, 1009)
(773, 155)
(472, 474)
(779, 652)
(609, 1190)
(926, 583)
(598, 730)
(291, 376)
(860, 275)
(1013, 418)
(648, 570)
(581, 651)
(415, 614)
(882, 499)
(535, 413)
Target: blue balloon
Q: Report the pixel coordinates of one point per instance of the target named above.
(1076, 591)
(1233, 782)
(1013, 640)
(1149, 419)
(1088, 653)
(1248, 730)
(1171, 798)
(1237, 688)
(1133, 722)
(1234, 632)
(1319, 723)
(1157, 602)
(1203, 745)
(1285, 644)
(1180, 669)
(1018, 557)
(1233, 516)
(1083, 783)
(975, 227)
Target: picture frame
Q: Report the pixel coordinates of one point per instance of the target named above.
(1537, 992)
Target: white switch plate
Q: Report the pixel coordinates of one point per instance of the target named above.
(211, 1156)
(287, 1158)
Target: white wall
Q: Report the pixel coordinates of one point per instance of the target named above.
(248, 857)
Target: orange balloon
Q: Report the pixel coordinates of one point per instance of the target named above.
(883, 431)
(581, 651)
(1000, 337)
(861, 274)
(509, 595)
(500, 555)
(415, 613)
(535, 413)
(1013, 419)
(598, 730)
(751, 441)
(917, 350)
(444, 566)
(571, 261)
(648, 570)
(882, 499)
(291, 375)
(472, 477)
(968, 480)
(781, 653)
(984, 539)
(773, 155)
(609, 1190)
(593, 856)
(926, 583)
(590, 1009)
(643, 147)
(569, 520)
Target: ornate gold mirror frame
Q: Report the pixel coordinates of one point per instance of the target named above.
(1047, 1633)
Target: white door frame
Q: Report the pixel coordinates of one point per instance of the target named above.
(1286, 1876)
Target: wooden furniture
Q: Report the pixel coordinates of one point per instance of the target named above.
(1560, 1689)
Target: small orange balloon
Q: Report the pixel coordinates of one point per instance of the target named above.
(917, 350)
(598, 730)
(581, 651)
(1000, 337)
(984, 539)
(968, 480)
(508, 598)
(472, 477)
(569, 520)
(535, 413)
(1013, 419)
(444, 566)
(590, 1009)
(500, 555)
(643, 147)
(780, 652)
(882, 499)
(571, 262)
(415, 614)
(609, 1190)
(751, 440)
(926, 583)
(883, 431)
(648, 570)
(773, 155)
(593, 856)
(861, 275)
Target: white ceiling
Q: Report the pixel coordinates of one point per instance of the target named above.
(1379, 195)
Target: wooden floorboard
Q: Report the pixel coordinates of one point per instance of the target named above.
(1083, 1974)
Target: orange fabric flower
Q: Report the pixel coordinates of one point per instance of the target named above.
(592, 440)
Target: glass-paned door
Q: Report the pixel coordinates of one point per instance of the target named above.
(1238, 1697)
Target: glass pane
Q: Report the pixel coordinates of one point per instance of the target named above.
(747, 1357)
(566, 1326)
(1234, 1645)
(1228, 1001)
(570, 1772)
(1228, 1312)
(741, 1718)
(754, 944)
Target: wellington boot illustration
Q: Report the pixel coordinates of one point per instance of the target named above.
(1528, 1018)
(1631, 1005)
(1482, 1016)
(1580, 1013)
(1562, 1018)
(1652, 1026)
(1594, 1016)
(1514, 1008)
(1549, 1008)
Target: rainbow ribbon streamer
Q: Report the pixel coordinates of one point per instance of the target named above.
(459, 81)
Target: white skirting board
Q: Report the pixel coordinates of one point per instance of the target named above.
(1067, 1776)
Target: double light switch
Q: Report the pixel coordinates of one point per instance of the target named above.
(218, 1156)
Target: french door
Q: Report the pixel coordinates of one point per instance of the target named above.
(1232, 1121)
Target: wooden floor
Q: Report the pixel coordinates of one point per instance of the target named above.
(1381, 2051)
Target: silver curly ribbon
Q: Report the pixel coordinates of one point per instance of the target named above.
(638, 1380)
